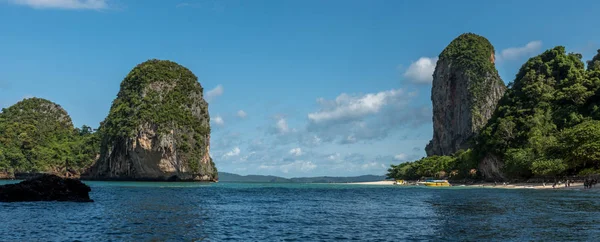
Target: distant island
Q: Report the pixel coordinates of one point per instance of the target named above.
(545, 124)
(230, 177)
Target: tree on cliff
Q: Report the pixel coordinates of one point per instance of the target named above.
(546, 124)
(37, 135)
(548, 95)
(157, 128)
(464, 93)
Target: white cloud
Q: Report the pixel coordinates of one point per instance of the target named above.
(241, 114)
(302, 166)
(350, 139)
(63, 4)
(400, 157)
(245, 158)
(371, 165)
(517, 52)
(218, 120)
(350, 119)
(266, 167)
(421, 71)
(215, 92)
(181, 5)
(296, 151)
(296, 166)
(234, 152)
(334, 157)
(346, 107)
(282, 126)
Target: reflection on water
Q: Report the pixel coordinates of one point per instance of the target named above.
(304, 212)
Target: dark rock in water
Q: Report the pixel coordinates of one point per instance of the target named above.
(46, 188)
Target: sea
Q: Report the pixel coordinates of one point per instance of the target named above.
(150, 211)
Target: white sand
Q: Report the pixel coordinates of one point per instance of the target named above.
(374, 183)
(574, 186)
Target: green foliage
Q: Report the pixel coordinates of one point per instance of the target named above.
(551, 167)
(589, 171)
(403, 171)
(158, 92)
(580, 145)
(542, 124)
(594, 64)
(465, 162)
(473, 54)
(432, 166)
(37, 135)
(546, 124)
(167, 96)
(517, 162)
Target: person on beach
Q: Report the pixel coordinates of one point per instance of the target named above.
(585, 184)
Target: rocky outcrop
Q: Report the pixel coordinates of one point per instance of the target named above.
(6, 176)
(466, 89)
(490, 168)
(46, 188)
(157, 129)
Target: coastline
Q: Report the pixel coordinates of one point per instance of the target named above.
(574, 186)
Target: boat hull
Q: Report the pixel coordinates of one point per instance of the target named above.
(437, 184)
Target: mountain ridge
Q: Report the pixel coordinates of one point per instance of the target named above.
(232, 177)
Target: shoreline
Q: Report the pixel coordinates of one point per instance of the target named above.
(573, 186)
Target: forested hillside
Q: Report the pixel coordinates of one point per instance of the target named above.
(37, 135)
(546, 124)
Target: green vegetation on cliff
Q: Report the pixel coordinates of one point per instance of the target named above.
(146, 97)
(161, 95)
(37, 135)
(473, 54)
(460, 165)
(546, 124)
(535, 122)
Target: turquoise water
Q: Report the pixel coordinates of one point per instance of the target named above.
(142, 211)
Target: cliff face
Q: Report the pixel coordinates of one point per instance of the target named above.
(466, 88)
(158, 128)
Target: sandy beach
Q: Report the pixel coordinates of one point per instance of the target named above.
(574, 186)
(382, 183)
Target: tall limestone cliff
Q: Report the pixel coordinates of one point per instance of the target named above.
(158, 128)
(466, 88)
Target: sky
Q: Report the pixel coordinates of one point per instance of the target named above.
(295, 88)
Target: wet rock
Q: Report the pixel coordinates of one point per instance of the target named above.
(46, 188)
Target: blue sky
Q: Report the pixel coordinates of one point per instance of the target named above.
(295, 88)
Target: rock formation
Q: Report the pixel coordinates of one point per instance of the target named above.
(466, 88)
(36, 135)
(46, 188)
(157, 129)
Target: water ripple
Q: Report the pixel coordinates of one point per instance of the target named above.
(304, 212)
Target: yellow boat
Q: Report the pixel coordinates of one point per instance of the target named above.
(437, 183)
